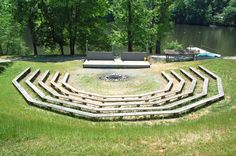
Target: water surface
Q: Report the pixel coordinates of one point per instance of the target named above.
(221, 40)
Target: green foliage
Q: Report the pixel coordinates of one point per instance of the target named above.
(27, 130)
(200, 12)
(229, 14)
(56, 24)
(150, 21)
(11, 41)
(158, 22)
(137, 25)
(174, 45)
(191, 11)
(67, 24)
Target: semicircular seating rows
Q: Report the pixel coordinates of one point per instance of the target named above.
(55, 93)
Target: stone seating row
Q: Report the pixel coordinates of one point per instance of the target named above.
(97, 111)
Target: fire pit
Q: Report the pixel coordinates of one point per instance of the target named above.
(114, 77)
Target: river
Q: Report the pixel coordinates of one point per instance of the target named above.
(220, 40)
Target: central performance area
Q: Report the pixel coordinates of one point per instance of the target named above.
(114, 77)
(116, 81)
(125, 94)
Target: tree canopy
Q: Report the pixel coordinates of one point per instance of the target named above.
(65, 25)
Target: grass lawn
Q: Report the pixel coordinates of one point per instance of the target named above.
(26, 130)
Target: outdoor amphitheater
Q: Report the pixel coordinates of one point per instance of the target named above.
(180, 92)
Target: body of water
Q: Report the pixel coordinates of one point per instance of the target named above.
(220, 40)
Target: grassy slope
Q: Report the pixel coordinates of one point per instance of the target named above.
(26, 130)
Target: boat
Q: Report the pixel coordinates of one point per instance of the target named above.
(203, 54)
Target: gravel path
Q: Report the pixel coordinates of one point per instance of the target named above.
(4, 60)
(230, 58)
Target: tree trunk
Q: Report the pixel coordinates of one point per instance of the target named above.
(61, 48)
(7, 48)
(1, 51)
(31, 27)
(35, 48)
(130, 38)
(72, 46)
(158, 47)
(74, 15)
(150, 50)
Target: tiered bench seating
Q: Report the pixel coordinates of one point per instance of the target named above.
(31, 78)
(61, 90)
(70, 88)
(177, 104)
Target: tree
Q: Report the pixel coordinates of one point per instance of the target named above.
(27, 13)
(77, 21)
(11, 41)
(52, 26)
(229, 13)
(159, 22)
(130, 19)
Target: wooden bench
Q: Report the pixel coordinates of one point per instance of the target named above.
(91, 55)
(135, 103)
(41, 104)
(134, 56)
(177, 111)
(177, 54)
(67, 93)
(30, 80)
(88, 94)
(55, 94)
(106, 104)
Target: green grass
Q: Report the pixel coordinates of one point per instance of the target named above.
(26, 130)
(134, 85)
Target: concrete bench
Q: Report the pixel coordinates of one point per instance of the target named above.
(134, 56)
(99, 55)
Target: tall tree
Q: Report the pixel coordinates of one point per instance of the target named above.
(229, 13)
(83, 20)
(159, 22)
(27, 13)
(11, 41)
(52, 26)
(129, 22)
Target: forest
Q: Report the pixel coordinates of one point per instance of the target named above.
(66, 25)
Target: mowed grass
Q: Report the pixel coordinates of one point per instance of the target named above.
(134, 85)
(27, 130)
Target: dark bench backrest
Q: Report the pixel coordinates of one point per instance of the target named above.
(133, 56)
(99, 56)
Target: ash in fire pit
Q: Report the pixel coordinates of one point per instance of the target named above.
(114, 77)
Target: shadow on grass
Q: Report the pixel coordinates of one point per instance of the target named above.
(48, 58)
(4, 66)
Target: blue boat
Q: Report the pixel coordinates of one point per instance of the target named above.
(203, 54)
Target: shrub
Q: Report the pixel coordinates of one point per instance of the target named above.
(174, 45)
